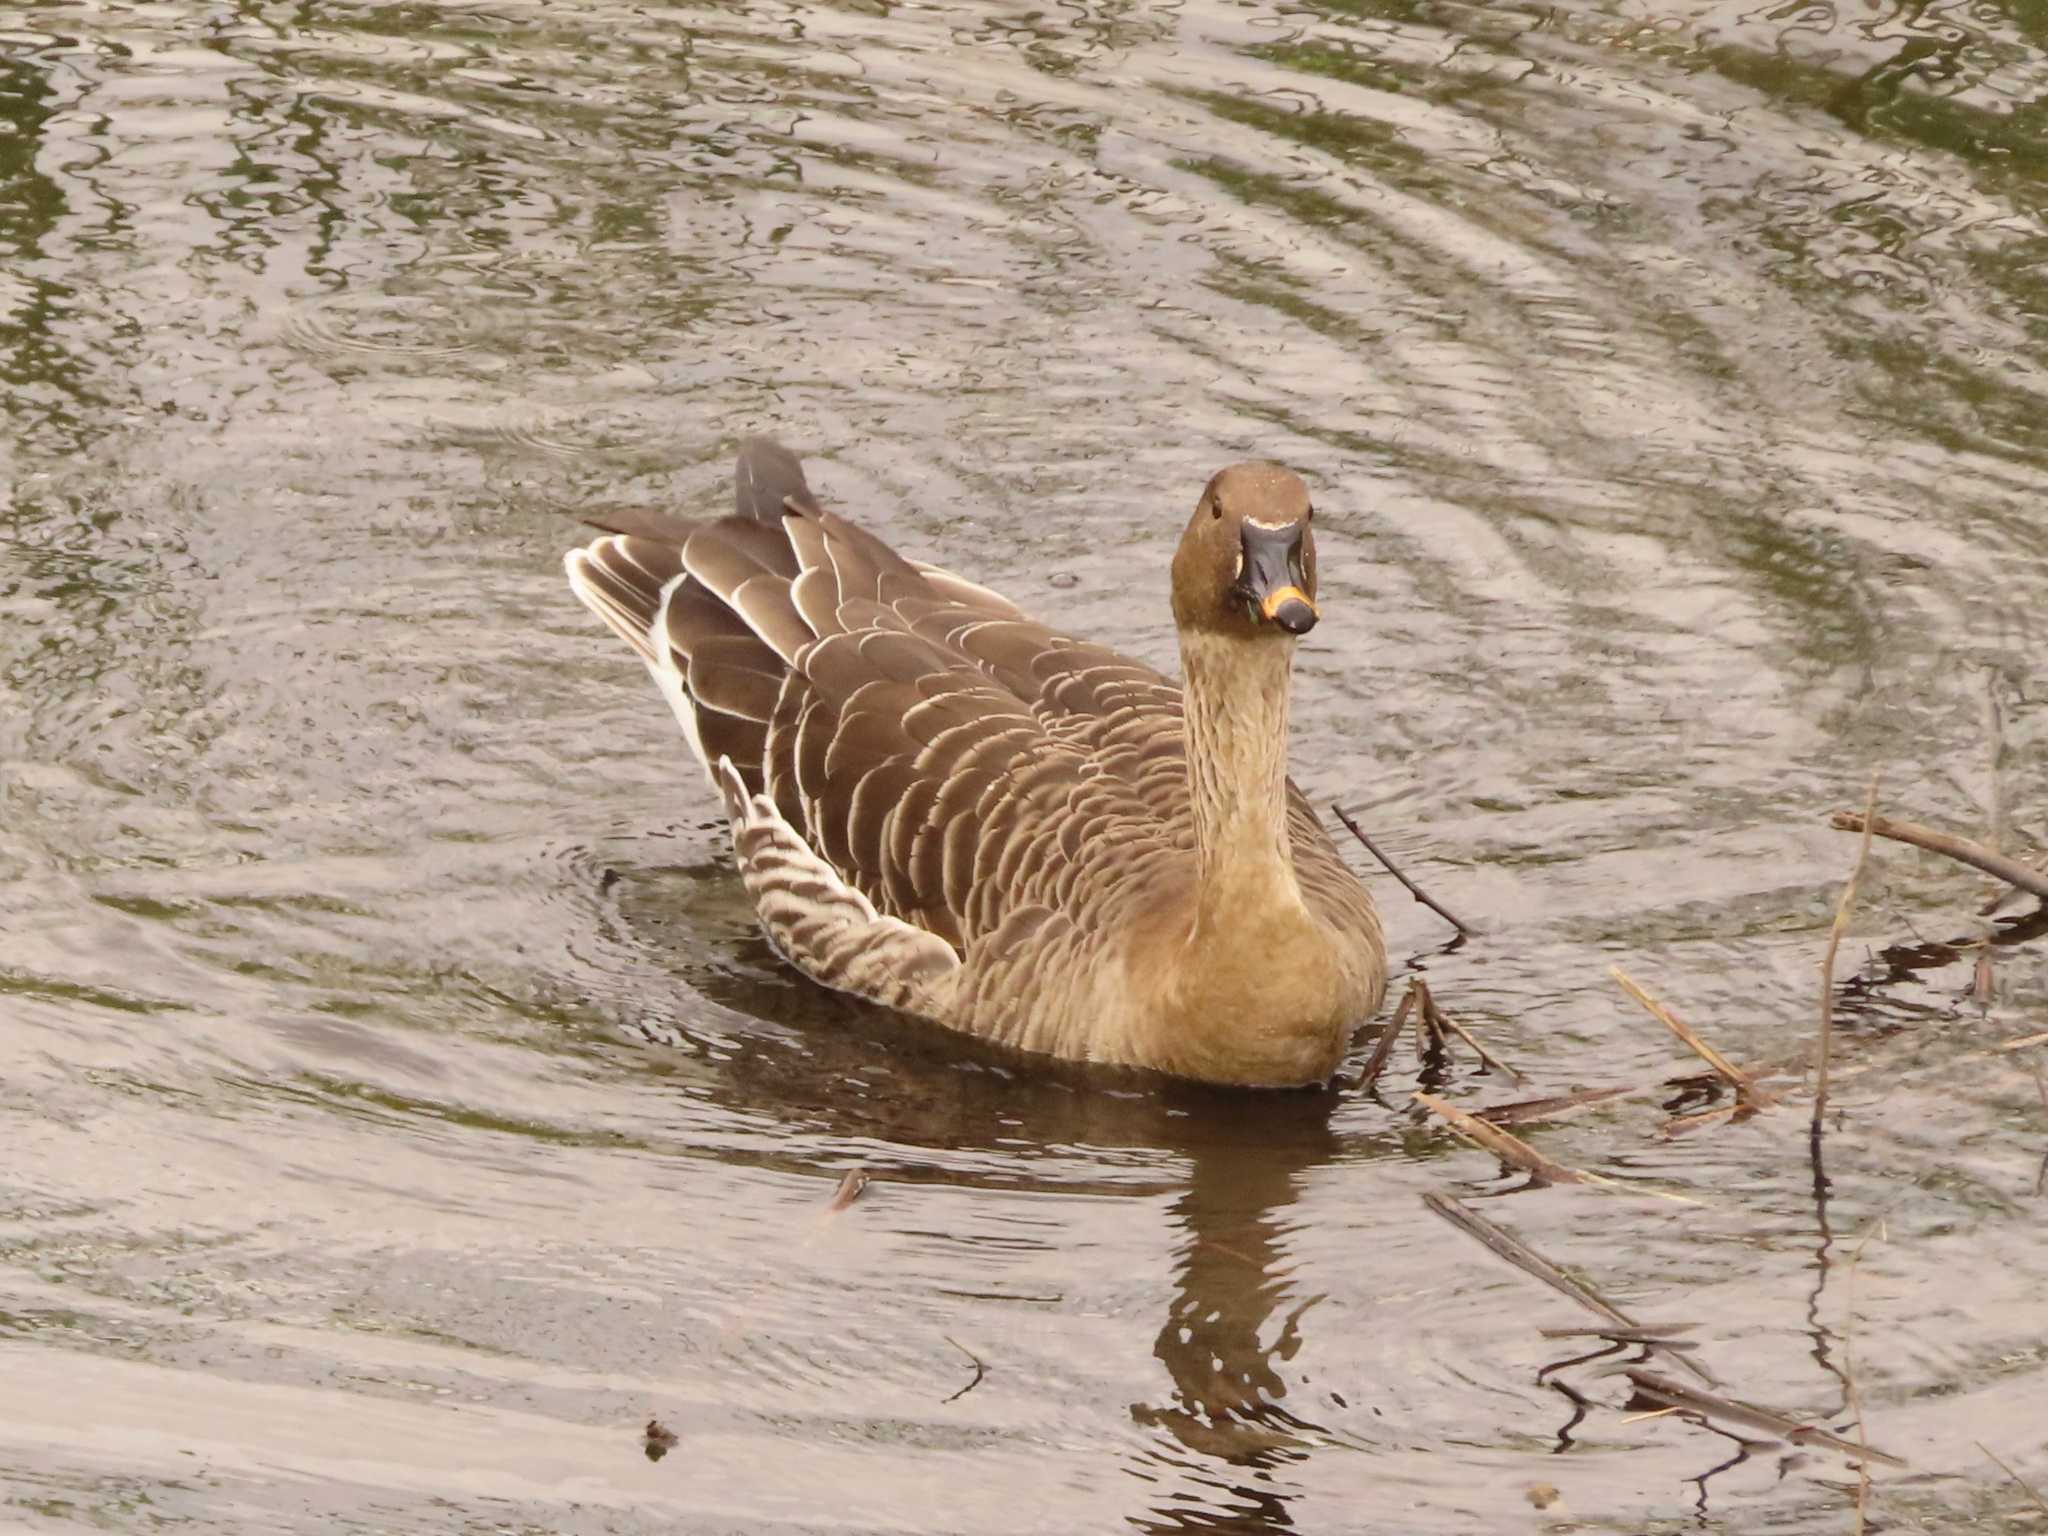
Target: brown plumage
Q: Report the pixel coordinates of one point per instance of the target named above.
(949, 808)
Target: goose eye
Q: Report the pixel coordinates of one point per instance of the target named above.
(1216, 509)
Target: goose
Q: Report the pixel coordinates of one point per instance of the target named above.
(945, 807)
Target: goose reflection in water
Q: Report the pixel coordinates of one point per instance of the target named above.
(1234, 1321)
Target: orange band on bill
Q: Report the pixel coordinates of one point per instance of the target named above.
(1269, 605)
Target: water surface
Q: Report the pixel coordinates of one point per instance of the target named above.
(399, 1109)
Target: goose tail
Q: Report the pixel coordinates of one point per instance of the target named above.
(707, 607)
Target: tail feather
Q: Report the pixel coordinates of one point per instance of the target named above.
(707, 606)
(768, 476)
(624, 582)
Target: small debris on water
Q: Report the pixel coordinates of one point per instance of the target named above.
(659, 1441)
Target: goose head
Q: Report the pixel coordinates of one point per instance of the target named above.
(1246, 566)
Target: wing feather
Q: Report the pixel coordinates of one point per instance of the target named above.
(901, 741)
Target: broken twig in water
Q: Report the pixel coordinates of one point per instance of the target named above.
(1825, 1049)
(1517, 1153)
(1662, 1335)
(1413, 889)
(1509, 1148)
(979, 1372)
(1676, 1394)
(1384, 1046)
(1557, 1106)
(1744, 1083)
(2002, 893)
(2025, 1487)
(1443, 1021)
(1504, 1244)
(848, 1191)
(2011, 871)
(1680, 1125)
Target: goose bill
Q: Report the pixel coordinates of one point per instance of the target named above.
(1272, 579)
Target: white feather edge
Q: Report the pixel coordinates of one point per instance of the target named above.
(649, 644)
(845, 906)
(950, 585)
(864, 931)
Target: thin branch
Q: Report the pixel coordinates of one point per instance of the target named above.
(1743, 1082)
(1557, 1106)
(1677, 1394)
(1994, 728)
(1681, 1125)
(1413, 889)
(2011, 871)
(2025, 1487)
(1384, 1046)
(979, 1372)
(1503, 1244)
(1661, 1335)
(1444, 1021)
(1824, 1056)
(1509, 1148)
(2001, 894)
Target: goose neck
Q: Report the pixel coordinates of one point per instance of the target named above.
(1236, 699)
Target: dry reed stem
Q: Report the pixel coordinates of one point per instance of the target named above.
(1509, 1148)
(1743, 1082)
(1677, 1394)
(1654, 1413)
(1657, 1335)
(1503, 1244)
(2000, 819)
(1826, 1050)
(2002, 893)
(2025, 1487)
(1681, 1125)
(1557, 1106)
(1384, 1046)
(1443, 1021)
(2011, 871)
(1413, 889)
(1517, 1153)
